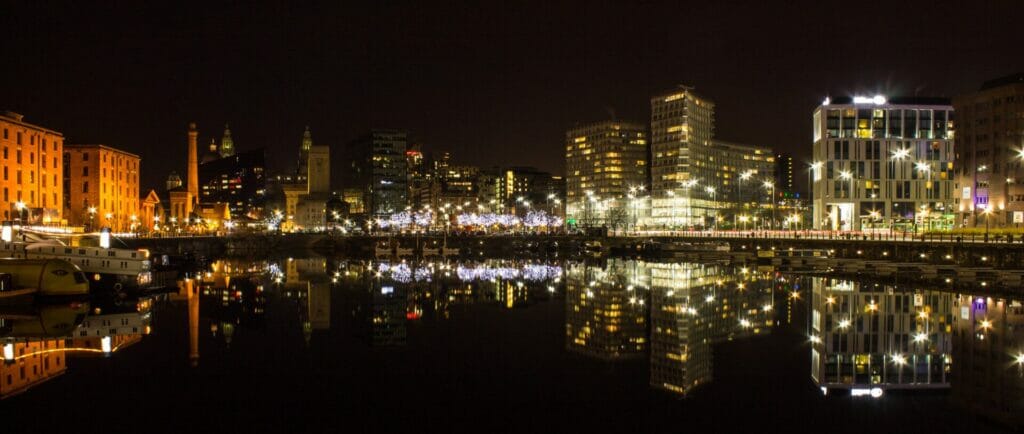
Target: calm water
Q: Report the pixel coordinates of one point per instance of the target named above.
(328, 345)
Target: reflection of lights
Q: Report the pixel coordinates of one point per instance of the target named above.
(830, 300)
(766, 307)
(920, 337)
(1019, 359)
(709, 298)
(986, 324)
(844, 323)
(899, 359)
(745, 322)
(815, 339)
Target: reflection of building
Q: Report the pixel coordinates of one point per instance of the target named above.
(35, 362)
(608, 160)
(869, 336)
(988, 165)
(694, 306)
(988, 347)
(883, 163)
(32, 174)
(603, 316)
(389, 322)
(101, 187)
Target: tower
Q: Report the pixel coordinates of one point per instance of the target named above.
(227, 146)
(307, 142)
(193, 164)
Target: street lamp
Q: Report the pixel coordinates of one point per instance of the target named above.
(771, 186)
(742, 201)
(987, 212)
(711, 191)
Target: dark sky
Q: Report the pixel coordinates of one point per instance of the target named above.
(496, 83)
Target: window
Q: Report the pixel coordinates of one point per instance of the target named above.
(85, 170)
(17, 156)
(85, 156)
(5, 173)
(85, 187)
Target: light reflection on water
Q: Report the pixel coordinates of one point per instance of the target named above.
(668, 316)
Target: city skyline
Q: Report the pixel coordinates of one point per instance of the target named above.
(490, 85)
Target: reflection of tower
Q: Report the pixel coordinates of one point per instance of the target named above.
(193, 321)
(227, 146)
(604, 318)
(680, 319)
(193, 164)
(319, 299)
(389, 323)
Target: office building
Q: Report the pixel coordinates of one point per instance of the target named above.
(784, 173)
(32, 183)
(375, 164)
(742, 182)
(990, 149)
(102, 187)
(883, 164)
(682, 128)
(605, 171)
(237, 180)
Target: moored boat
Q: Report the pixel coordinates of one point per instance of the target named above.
(41, 277)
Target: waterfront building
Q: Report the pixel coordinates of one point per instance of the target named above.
(741, 178)
(883, 164)
(33, 182)
(784, 173)
(990, 153)
(603, 318)
(682, 128)
(102, 187)
(376, 164)
(606, 172)
(237, 180)
(869, 335)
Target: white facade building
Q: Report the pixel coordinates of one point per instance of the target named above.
(884, 165)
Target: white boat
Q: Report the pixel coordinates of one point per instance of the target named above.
(113, 268)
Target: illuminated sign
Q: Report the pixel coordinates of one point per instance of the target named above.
(876, 100)
(874, 392)
(387, 289)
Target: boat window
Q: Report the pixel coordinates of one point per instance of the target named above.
(67, 251)
(81, 251)
(80, 278)
(133, 254)
(111, 253)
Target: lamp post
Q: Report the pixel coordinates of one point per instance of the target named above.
(771, 186)
(742, 201)
(714, 217)
(987, 213)
(813, 175)
(92, 217)
(687, 185)
(849, 195)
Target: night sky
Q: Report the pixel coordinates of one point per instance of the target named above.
(497, 83)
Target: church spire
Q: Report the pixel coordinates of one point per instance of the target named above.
(227, 146)
(307, 140)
